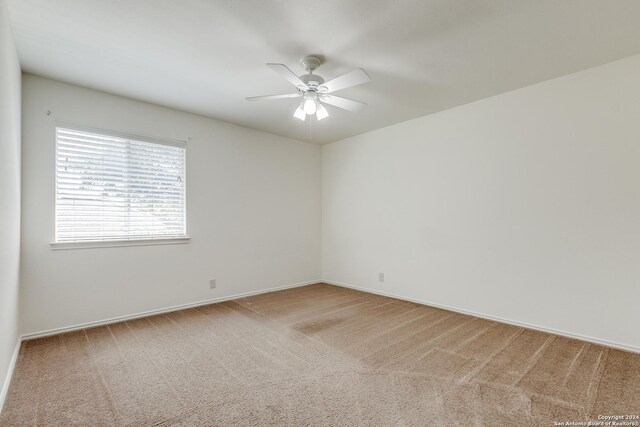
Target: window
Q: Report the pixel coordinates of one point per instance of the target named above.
(112, 188)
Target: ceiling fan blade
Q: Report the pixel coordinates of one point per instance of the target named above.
(352, 78)
(344, 103)
(287, 74)
(268, 97)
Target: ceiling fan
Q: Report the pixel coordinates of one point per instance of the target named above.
(315, 92)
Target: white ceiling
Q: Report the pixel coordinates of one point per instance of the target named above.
(206, 56)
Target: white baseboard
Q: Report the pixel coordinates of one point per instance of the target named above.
(593, 340)
(79, 326)
(10, 369)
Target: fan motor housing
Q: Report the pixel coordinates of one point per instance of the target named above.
(312, 80)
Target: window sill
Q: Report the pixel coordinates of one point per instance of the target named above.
(94, 244)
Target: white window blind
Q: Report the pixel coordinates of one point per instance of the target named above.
(115, 188)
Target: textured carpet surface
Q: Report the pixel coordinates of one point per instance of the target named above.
(317, 355)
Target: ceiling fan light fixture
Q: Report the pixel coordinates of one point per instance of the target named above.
(299, 113)
(310, 105)
(321, 112)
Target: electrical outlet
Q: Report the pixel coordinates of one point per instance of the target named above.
(381, 277)
(212, 284)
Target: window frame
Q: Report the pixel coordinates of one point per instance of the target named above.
(135, 241)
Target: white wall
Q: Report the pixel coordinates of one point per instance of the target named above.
(523, 206)
(9, 196)
(253, 211)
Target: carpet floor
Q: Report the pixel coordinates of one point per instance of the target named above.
(314, 356)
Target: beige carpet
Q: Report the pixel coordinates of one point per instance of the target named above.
(314, 356)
